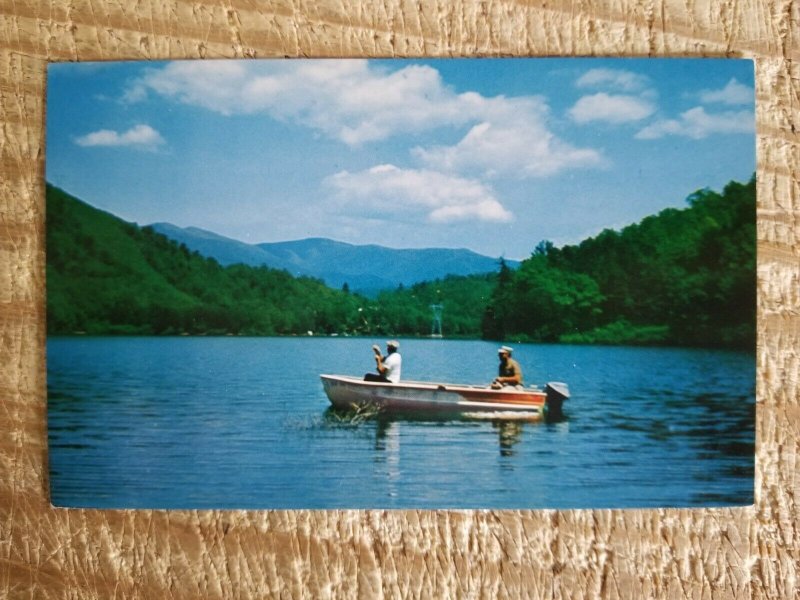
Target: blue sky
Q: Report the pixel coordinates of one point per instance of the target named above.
(494, 155)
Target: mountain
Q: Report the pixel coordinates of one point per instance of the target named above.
(681, 277)
(106, 276)
(372, 267)
(225, 251)
(365, 268)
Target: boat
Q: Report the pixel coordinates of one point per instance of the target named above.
(346, 392)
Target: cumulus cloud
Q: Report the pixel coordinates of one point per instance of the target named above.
(612, 78)
(389, 191)
(139, 136)
(510, 138)
(611, 108)
(522, 149)
(349, 100)
(696, 123)
(356, 102)
(733, 93)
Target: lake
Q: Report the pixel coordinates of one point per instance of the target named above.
(197, 422)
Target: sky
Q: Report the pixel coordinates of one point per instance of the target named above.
(493, 155)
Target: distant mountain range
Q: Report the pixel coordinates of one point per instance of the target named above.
(366, 269)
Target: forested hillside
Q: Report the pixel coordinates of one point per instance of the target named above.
(108, 276)
(680, 277)
(367, 269)
(683, 277)
(407, 311)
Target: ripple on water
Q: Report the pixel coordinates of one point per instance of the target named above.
(218, 423)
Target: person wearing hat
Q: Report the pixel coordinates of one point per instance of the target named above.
(509, 373)
(388, 366)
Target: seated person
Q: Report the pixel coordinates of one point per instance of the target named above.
(388, 366)
(509, 373)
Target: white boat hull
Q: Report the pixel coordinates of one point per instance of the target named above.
(349, 392)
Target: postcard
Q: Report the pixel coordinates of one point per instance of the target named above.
(401, 284)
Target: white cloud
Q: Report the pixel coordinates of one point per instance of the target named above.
(696, 123)
(510, 138)
(395, 193)
(134, 93)
(349, 100)
(356, 102)
(611, 108)
(141, 136)
(612, 78)
(733, 93)
(522, 149)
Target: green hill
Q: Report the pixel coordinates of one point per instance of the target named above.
(108, 276)
(407, 310)
(683, 277)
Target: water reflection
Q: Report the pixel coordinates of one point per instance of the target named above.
(387, 442)
(387, 426)
(509, 434)
(220, 423)
(382, 430)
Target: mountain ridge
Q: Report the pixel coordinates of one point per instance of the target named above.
(366, 268)
(106, 276)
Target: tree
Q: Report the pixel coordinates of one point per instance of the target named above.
(545, 302)
(494, 316)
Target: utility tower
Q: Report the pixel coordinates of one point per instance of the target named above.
(436, 324)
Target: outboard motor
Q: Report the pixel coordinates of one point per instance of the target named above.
(557, 392)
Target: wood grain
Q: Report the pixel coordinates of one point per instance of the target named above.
(732, 553)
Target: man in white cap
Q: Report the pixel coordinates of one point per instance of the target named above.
(388, 366)
(509, 373)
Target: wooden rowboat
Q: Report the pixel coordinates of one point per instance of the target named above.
(351, 392)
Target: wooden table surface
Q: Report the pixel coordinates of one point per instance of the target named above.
(723, 553)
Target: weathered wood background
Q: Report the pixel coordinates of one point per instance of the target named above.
(49, 553)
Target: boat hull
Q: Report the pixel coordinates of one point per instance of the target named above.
(349, 392)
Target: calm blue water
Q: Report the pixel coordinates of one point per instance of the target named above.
(244, 423)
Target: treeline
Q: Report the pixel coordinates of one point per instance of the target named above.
(106, 276)
(683, 277)
(408, 311)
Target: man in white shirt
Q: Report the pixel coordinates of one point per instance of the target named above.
(388, 366)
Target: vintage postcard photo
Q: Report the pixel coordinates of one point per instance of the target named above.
(401, 284)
